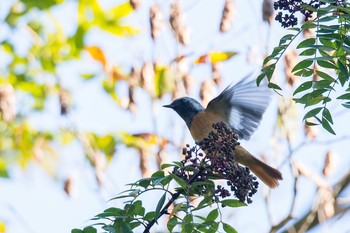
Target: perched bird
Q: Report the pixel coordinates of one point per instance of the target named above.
(241, 106)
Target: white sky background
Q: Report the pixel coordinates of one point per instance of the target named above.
(33, 202)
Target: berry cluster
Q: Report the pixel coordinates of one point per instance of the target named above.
(218, 162)
(293, 6)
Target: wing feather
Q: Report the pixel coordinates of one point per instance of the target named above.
(242, 106)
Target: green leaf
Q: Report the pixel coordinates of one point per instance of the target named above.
(309, 123)
(323, 84)
(327, 126)
(180, 181)
(213, 215)
(160, 205)
(77, 231)
(268, 70)
(188, 223)
(327, 115)
(314, 100)
(274, 86)
(305, 86)
(144, 182)
(343, 68)
(88, 76)
(302, 65)
(344, 97)
(308, 52)
(213, 228)
(306, 43)
(285, 38)
(260, 78)
(166, 165)
(89, 229)
(126, 228)
(326, 64)
(308, 24)
(150, 216)
(325, 75)
(228, 229)
(171, 224)
(327, 42)
(312, 112)
(233, 203)
(158, 174)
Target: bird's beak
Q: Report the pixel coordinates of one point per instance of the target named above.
(168, 106)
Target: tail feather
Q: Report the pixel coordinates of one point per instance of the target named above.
(267, 174)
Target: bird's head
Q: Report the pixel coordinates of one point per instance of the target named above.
(186, 107)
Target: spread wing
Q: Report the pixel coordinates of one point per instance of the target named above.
(242, 106)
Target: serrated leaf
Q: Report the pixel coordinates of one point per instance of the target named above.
(233, 203)
(150, 216)
(228, 229)
(306, 43)
(327, 126)
(312, 113)
(212, 215)
(303, 87)
(302, 65)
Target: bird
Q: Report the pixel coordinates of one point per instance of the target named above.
(240, 106)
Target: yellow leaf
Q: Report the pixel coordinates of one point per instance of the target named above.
(2, 227)
(215, 57)
(121, 10)
(97, 54)
(164, 82)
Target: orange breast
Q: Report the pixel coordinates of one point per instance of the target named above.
(202, 123)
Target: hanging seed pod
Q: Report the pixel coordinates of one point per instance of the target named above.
(147, 77)
(268, 13)
(206, 92)
(135, 4)
(68, 185)
(65, 101)
(227, 16)
(290, 60)
(326, 203)
(177, 23)
(216, 74)
(188, 82)
(311, 132)
(156, 21)
(309, 32)
(329, 163)
(315, 76)
(7, 103)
